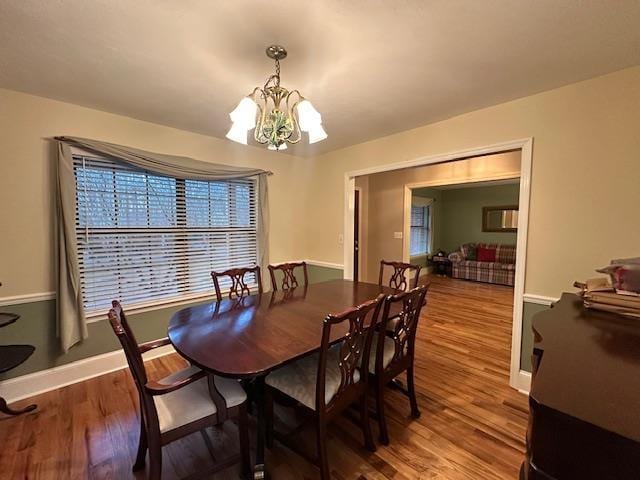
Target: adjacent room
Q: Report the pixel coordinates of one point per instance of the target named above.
(319, 240)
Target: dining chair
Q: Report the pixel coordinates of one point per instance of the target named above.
(328, 382)
(398, 277)
(185, 402)
(394, 352)
(239, 285)
(289, 280)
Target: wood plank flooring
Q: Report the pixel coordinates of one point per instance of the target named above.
(472, 425)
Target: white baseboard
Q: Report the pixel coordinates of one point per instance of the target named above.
(43, 381)
(522, 382)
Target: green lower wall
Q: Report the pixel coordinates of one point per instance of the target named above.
(323, 274)
(528, 312)
(419, 260)
(37, 326)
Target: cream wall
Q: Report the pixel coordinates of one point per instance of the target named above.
(386, 198)
(27, 202)
(585, 175)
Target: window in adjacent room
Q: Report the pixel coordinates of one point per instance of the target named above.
(146, 239)
(420, 230)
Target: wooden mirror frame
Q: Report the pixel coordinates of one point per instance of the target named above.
(485, 223)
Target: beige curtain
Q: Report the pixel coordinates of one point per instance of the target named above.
(71, 323)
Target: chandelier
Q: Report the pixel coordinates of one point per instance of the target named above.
(279, 116)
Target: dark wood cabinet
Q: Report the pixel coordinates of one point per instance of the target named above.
(585, 396)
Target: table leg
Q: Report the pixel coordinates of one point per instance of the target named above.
(259, 470)
(4, 408)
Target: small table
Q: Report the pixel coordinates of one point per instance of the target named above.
(442, 265)
(10, 357)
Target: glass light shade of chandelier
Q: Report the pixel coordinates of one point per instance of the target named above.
(238, 133)
(278, 115)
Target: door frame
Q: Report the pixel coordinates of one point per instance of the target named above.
(518, 379)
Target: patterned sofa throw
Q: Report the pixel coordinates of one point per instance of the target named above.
(468, 267)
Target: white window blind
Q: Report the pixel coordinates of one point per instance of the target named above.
(146, 239)
(420, 225)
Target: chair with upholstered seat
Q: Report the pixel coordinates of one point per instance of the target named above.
(239, 281)
(328, 382)
(394, 352)
(289, 280)
(180, 404)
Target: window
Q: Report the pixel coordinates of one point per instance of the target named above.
(420, 230)
(146, 239)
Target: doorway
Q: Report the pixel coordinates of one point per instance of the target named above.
(518, 378)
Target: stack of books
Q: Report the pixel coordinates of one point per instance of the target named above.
(599, 294)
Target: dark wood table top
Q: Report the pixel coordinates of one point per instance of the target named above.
(263, 332)
(589, 366)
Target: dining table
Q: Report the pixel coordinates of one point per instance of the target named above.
(249, 337)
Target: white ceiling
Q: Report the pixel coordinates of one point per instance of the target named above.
(372, 67)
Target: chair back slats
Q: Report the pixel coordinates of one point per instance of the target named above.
(398, 278)
(239, 287)
(405, 325)
(353, 351)
(289, 280)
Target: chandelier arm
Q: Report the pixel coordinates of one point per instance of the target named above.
(297, 92)
(257, 133)
(294, 118)
(253, 93)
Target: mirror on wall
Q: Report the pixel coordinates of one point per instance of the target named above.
(500, 219)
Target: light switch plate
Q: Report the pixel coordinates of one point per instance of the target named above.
(397, 235)
(341, 239)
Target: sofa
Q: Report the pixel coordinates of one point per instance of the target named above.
(465, 264)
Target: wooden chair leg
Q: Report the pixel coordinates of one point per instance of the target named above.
(268, 407)
(323, 459)
(155, 458)
(415, 412)
(382, 421)
(141, 457)
(245, 447)
(366, 427)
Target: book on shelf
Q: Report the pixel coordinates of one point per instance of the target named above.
(612, 298)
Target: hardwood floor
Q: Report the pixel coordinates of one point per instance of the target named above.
(472, 425)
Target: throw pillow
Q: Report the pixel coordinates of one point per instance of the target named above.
(486, 254)
(472, 252)
(469, 251)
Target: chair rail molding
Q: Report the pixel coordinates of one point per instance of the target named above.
(539, 299)
(27, 298)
